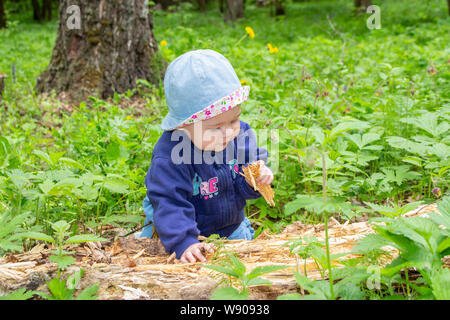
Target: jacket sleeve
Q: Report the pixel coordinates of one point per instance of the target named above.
(168, 189)
(248, 152)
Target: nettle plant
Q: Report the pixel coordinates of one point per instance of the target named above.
(325, 205)
(422, 243)
(237, 273)
(67, 184)
(63, 289)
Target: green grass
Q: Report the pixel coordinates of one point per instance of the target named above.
(100, 177)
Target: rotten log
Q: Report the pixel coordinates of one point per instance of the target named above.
(129, 268)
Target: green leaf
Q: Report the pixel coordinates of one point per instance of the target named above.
(74, 279)
(425, 293)
(239, 267)
(62, 261)
(410, 146)
(44, 156)
(60, 226)
(443, 217)
(361, 141)
(349, 291)
(228, 293)
(88, 293)
(440, 283)
(259, 271)
(19, 294)
(116, 186)
(370, 243)
(258, 282)
(84, 238)
(304, 282)
(71, 162)
(38, 236)
(56, 156)
(47, 186)
(10, 231)
(222, 270)
(59, 290)
(290, 296)
(116, 151)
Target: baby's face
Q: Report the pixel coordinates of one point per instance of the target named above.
(215, 133)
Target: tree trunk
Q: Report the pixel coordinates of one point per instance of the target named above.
(202, 5)
(37, 14)
(2, 14)
(107, 51)
(222, 6)
(363, 4)
(47, 10)
(165, 3)
(279, 9)
(234, 10)
(448, 5)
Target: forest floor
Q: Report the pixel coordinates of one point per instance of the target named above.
(129, 268)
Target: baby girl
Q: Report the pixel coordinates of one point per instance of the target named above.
(194, 185)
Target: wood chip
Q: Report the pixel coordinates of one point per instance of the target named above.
(250, 173)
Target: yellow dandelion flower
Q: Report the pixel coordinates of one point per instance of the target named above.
(128, 117)
(272, 49)
(243, 82)
(163, 43)
(250, 32)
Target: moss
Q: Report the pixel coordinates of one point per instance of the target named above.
(105, 22)
(94, 40)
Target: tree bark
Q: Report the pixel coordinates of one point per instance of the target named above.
(363, 4)
(202, 5)
(2, 14)
(279, 9)
(165, 3)
(234, 10)
(113, 47)
(222, 6)
(37, 14)
(47, 10)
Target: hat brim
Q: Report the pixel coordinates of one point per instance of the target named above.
(224, 104)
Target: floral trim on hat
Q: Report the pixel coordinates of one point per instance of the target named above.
(222, 105)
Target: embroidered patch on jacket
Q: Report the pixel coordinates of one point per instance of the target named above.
(207, 189)
(233, 167)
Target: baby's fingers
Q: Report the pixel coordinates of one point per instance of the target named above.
(266, 176)
(266, 179)
(188, 258)
(196, 252)
(209, 248)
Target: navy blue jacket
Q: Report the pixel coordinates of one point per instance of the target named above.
(195, 192)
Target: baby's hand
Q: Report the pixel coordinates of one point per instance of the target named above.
(265, 174)
(193, 252)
